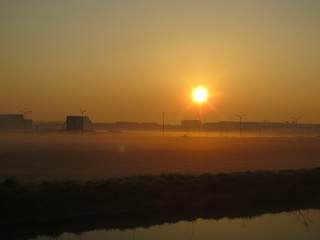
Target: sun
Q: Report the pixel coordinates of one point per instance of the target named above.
(200, 95)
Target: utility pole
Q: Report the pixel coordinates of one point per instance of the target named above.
(82, 112)
(240, 122)
(163, 123)
(295, 120)
(25, 118)
(200, 120)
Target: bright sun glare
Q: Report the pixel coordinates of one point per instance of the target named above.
(200, 95)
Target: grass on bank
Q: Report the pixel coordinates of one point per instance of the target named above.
(149, 194)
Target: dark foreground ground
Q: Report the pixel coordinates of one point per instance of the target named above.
(52, 208)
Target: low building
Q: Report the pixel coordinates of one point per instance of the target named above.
(78, 123)
(121, 125)
(191, 125)
(12, 121)
(149, 126)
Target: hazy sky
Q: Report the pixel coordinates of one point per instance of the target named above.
(130, 60)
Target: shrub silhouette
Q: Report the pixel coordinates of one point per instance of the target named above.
(166, 193)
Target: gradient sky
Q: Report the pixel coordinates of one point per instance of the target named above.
(130, 60)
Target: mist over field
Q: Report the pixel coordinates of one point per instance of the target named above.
(36, 157)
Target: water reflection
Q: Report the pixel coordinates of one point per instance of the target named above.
(301, 224)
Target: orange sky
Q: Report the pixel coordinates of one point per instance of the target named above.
(131, 60)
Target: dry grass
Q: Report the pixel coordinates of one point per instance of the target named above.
(167, 193)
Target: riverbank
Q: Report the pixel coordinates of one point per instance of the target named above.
(148, 199)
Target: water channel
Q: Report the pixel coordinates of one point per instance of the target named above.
(301, 224)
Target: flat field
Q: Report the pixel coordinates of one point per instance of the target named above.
(37, 157)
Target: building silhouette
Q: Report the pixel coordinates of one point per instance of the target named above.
(14, 121)
(78, 123)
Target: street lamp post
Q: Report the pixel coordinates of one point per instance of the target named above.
(240, 122)
(200, 119)
(82, 112)
(163, 123)
(295, 120)
(25, 118)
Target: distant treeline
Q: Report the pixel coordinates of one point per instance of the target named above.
(146, 200)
